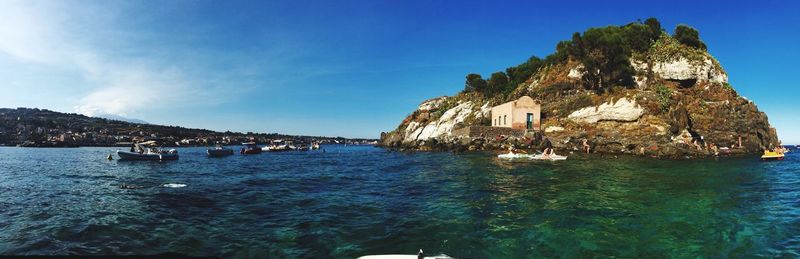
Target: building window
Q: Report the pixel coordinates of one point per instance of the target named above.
(504, 120)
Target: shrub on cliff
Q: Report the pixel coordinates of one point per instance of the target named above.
(664, 94)
(605, 57)
(605, 52)
(688, 36)
(503, 82)
(520, 73)
(497, 84)
(654, 26)
(475, 83)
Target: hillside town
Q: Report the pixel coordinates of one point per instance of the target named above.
(31, 127)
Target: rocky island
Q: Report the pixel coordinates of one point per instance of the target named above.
(631, 89)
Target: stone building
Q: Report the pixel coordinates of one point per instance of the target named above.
(523, 113)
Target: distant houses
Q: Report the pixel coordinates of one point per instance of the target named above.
(43, 128)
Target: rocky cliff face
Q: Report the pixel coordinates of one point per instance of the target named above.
(680, 105)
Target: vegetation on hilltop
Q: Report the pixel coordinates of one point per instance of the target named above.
(604, 52)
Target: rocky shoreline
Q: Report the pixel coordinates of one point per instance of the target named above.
(532, 143)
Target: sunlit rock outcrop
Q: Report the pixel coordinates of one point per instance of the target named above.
(621, 110)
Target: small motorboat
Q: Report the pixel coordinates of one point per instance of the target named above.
(250, 148)
(419, 255)
(315, 145)
(148, 153)
(276, 146)
(302, 147)
(219, 151)
(552, 157)
(771, 155)
(512, 155)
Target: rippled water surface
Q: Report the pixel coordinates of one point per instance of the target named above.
(352, 201)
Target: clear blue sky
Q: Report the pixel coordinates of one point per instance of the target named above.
(346, 68)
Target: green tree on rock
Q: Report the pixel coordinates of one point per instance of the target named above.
(688, 36)
(637, 37)
(498, 83)
(475, 83)
(606, 57)
(655, 28)
(522, 72)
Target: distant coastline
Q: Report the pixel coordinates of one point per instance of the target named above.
(32, 127)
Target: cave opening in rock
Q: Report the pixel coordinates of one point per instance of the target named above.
(686, 83)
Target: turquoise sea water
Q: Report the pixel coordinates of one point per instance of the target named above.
(358, 200)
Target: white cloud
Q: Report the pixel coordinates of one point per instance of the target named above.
(60, 36)
(25, 36)
(130, 91)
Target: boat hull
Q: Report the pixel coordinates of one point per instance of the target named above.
(125, 155)
(772, 156)
(532, 157)
(219, 152)
(250, 151)
(768, 158)
(277, 149)
(515, 156)
(551, 157)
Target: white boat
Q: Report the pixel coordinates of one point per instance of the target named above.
(314, 145)
(402, 256)
(512, 155)
(277, 146)
(552, 157)
(147, 153)
(419, 255)
(515, 156)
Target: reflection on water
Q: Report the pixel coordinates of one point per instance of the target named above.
(352, 201)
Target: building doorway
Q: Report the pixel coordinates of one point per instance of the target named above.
(529, 121)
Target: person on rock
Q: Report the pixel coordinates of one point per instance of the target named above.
(514, 150)
(548, 148)
(586, 146)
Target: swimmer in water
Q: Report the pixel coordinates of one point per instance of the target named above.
(130, 187)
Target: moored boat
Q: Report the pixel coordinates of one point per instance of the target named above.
(771, 155)
(140, 152)
(512, 155)
(219, 151)
(302, 147)
(419, 255)
(250, 148)
(552, 157)
(277, 146)
(515, 156)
